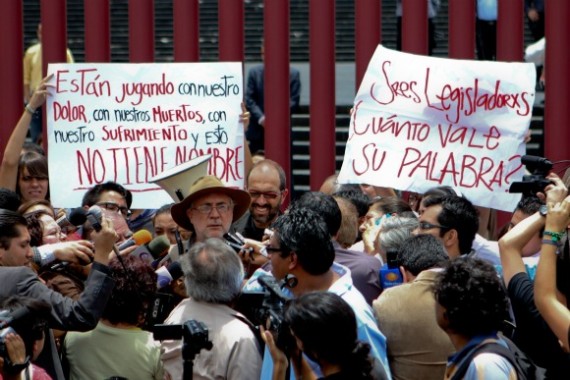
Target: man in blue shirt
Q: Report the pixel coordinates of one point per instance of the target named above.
(301, 247)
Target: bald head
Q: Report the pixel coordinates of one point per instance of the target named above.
(266, 183)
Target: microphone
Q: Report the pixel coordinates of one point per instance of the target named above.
(167, 274)
(153, 249)
(139, 238)
(536, 161)
(77, 217)
(94, 216)
(390, 274)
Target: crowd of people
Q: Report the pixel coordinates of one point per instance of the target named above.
(372, 283)
(350, 282)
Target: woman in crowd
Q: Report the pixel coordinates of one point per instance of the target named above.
(27, 173)
(370, 228)
(312, 319)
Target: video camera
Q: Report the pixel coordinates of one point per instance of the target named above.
(159, 309)
(193, 332)
(194, 335)
(539, 167)
(7, 319)
(266, 309)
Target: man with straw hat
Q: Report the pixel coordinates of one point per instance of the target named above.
(210, 208)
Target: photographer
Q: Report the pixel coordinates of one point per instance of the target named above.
(532, 334)
(26, 340)
(301, 247)
(19, 280)
(213, 275)
(547, 297)
(311, 318)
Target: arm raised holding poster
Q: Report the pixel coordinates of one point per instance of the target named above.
(127, 123)
(11, 159)
(420, 122)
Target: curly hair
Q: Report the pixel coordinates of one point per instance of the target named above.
(133, 291)
(473, 296)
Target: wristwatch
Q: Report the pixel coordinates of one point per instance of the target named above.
(543, 210)
(15, 369)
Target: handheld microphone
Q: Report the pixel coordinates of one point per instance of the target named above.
(390, 274)
(152, 249)
(139, 238)
(77, 216)
(167, 274)
(94, 216)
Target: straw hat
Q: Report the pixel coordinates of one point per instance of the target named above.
(204, 186)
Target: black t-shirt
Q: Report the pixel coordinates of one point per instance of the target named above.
(246, 226)
(532, 335)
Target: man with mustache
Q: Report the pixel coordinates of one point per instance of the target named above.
(209, 209)
(267, 187)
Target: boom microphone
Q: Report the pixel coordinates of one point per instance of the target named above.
(536, 161)
(139, 238)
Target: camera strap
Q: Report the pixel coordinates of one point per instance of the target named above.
(253, 329)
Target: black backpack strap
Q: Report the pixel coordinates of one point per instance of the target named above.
(491, 346)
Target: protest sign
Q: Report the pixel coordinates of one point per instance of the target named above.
(420, 122)
(129, 122)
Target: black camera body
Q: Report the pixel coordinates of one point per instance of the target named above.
(272, 308)
(159, 309)
(193, 333)
(3, 333)
(539, 167)
(7, 319)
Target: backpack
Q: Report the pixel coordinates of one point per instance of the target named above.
(524, 366)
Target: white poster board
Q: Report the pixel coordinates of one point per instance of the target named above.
(420, 122)
(129, 122)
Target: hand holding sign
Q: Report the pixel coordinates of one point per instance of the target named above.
(420, 122)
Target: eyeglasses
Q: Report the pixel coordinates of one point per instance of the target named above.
(266, 250)
(428, 226)
(267, 195)
(113, 207)
(206, 209)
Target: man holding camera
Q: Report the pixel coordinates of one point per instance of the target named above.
(23, 340)
(301, 249)
(213, 275)
(19, 280)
